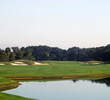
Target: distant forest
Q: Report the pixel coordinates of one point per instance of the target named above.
(54, 53)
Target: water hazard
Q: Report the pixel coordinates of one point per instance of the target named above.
(65, 90)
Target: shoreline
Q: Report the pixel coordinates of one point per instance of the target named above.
(59, 77)
(16, 84)
(8, 86)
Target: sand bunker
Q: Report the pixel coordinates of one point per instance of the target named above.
(23, 63)
(2, 64)
(26, 64)
(37, 63)
(19, 63)
(93, 62)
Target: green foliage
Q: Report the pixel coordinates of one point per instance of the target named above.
(3, 56)
(54, 53)
(12, 56)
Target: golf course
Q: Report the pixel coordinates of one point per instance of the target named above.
(47, 70)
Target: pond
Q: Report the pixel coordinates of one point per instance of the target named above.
(64, 90)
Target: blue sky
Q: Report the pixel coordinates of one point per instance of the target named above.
(61, 23)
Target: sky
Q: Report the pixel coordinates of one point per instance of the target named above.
(56, 23)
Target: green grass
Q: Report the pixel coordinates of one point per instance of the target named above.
(4, 96)
(5, 80)
(55, 68)
(8, 84)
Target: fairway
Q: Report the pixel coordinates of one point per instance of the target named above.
(54, 68)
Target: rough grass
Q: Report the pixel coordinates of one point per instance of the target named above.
(5, 81)
(7, 84)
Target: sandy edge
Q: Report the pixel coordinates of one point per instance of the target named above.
(59, 77)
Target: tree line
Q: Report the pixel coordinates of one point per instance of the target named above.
(54, 53)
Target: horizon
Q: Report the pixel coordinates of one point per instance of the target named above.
(54, 47)
(60, 23)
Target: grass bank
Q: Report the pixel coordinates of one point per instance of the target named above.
(4, 96)
(7, 84)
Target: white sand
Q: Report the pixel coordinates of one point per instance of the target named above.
(2, 64)
(37, 63)
(21, 64)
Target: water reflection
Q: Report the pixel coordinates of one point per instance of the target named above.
(102, 81)
(65, 90)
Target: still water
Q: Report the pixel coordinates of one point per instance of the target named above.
(64, 90)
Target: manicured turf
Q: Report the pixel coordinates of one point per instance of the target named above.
(55, 68)
(4, 96)
(8, 84)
